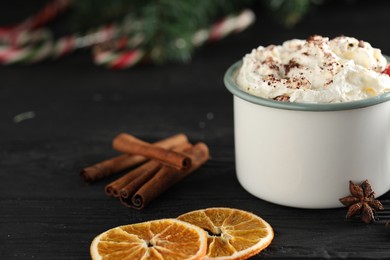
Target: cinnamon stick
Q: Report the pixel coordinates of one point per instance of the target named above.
(131, 145)
(130, 186)
(108, 167)
(122, 162)
(165, 178)
(150, 167)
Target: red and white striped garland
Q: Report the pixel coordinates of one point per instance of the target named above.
(30, 42)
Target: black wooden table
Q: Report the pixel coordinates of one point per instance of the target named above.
(76, 108)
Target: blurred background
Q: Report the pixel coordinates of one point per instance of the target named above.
(120, 34)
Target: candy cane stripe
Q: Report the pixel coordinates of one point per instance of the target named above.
(215, 33)
(9, 55)
(63, 46)
(105, 58)
(26, 42)
(126, 59)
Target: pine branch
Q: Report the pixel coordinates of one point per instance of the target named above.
(167, 26)
(289, 12)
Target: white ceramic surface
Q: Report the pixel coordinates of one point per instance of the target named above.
(304, 155)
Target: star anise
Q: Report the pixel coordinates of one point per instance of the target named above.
(362, 200)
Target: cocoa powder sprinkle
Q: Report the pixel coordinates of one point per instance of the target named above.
(282, 98)
(291, 64)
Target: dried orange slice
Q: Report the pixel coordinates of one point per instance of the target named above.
(232, 233)
(156, 239)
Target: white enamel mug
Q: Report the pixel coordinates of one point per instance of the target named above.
(304, 155)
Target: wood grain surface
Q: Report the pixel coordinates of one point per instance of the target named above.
(47, 212)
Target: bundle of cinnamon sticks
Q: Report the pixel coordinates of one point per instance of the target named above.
(154, 168)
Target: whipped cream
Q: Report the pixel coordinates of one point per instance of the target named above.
(316, 70)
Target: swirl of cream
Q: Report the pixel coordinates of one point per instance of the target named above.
(316, 70)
